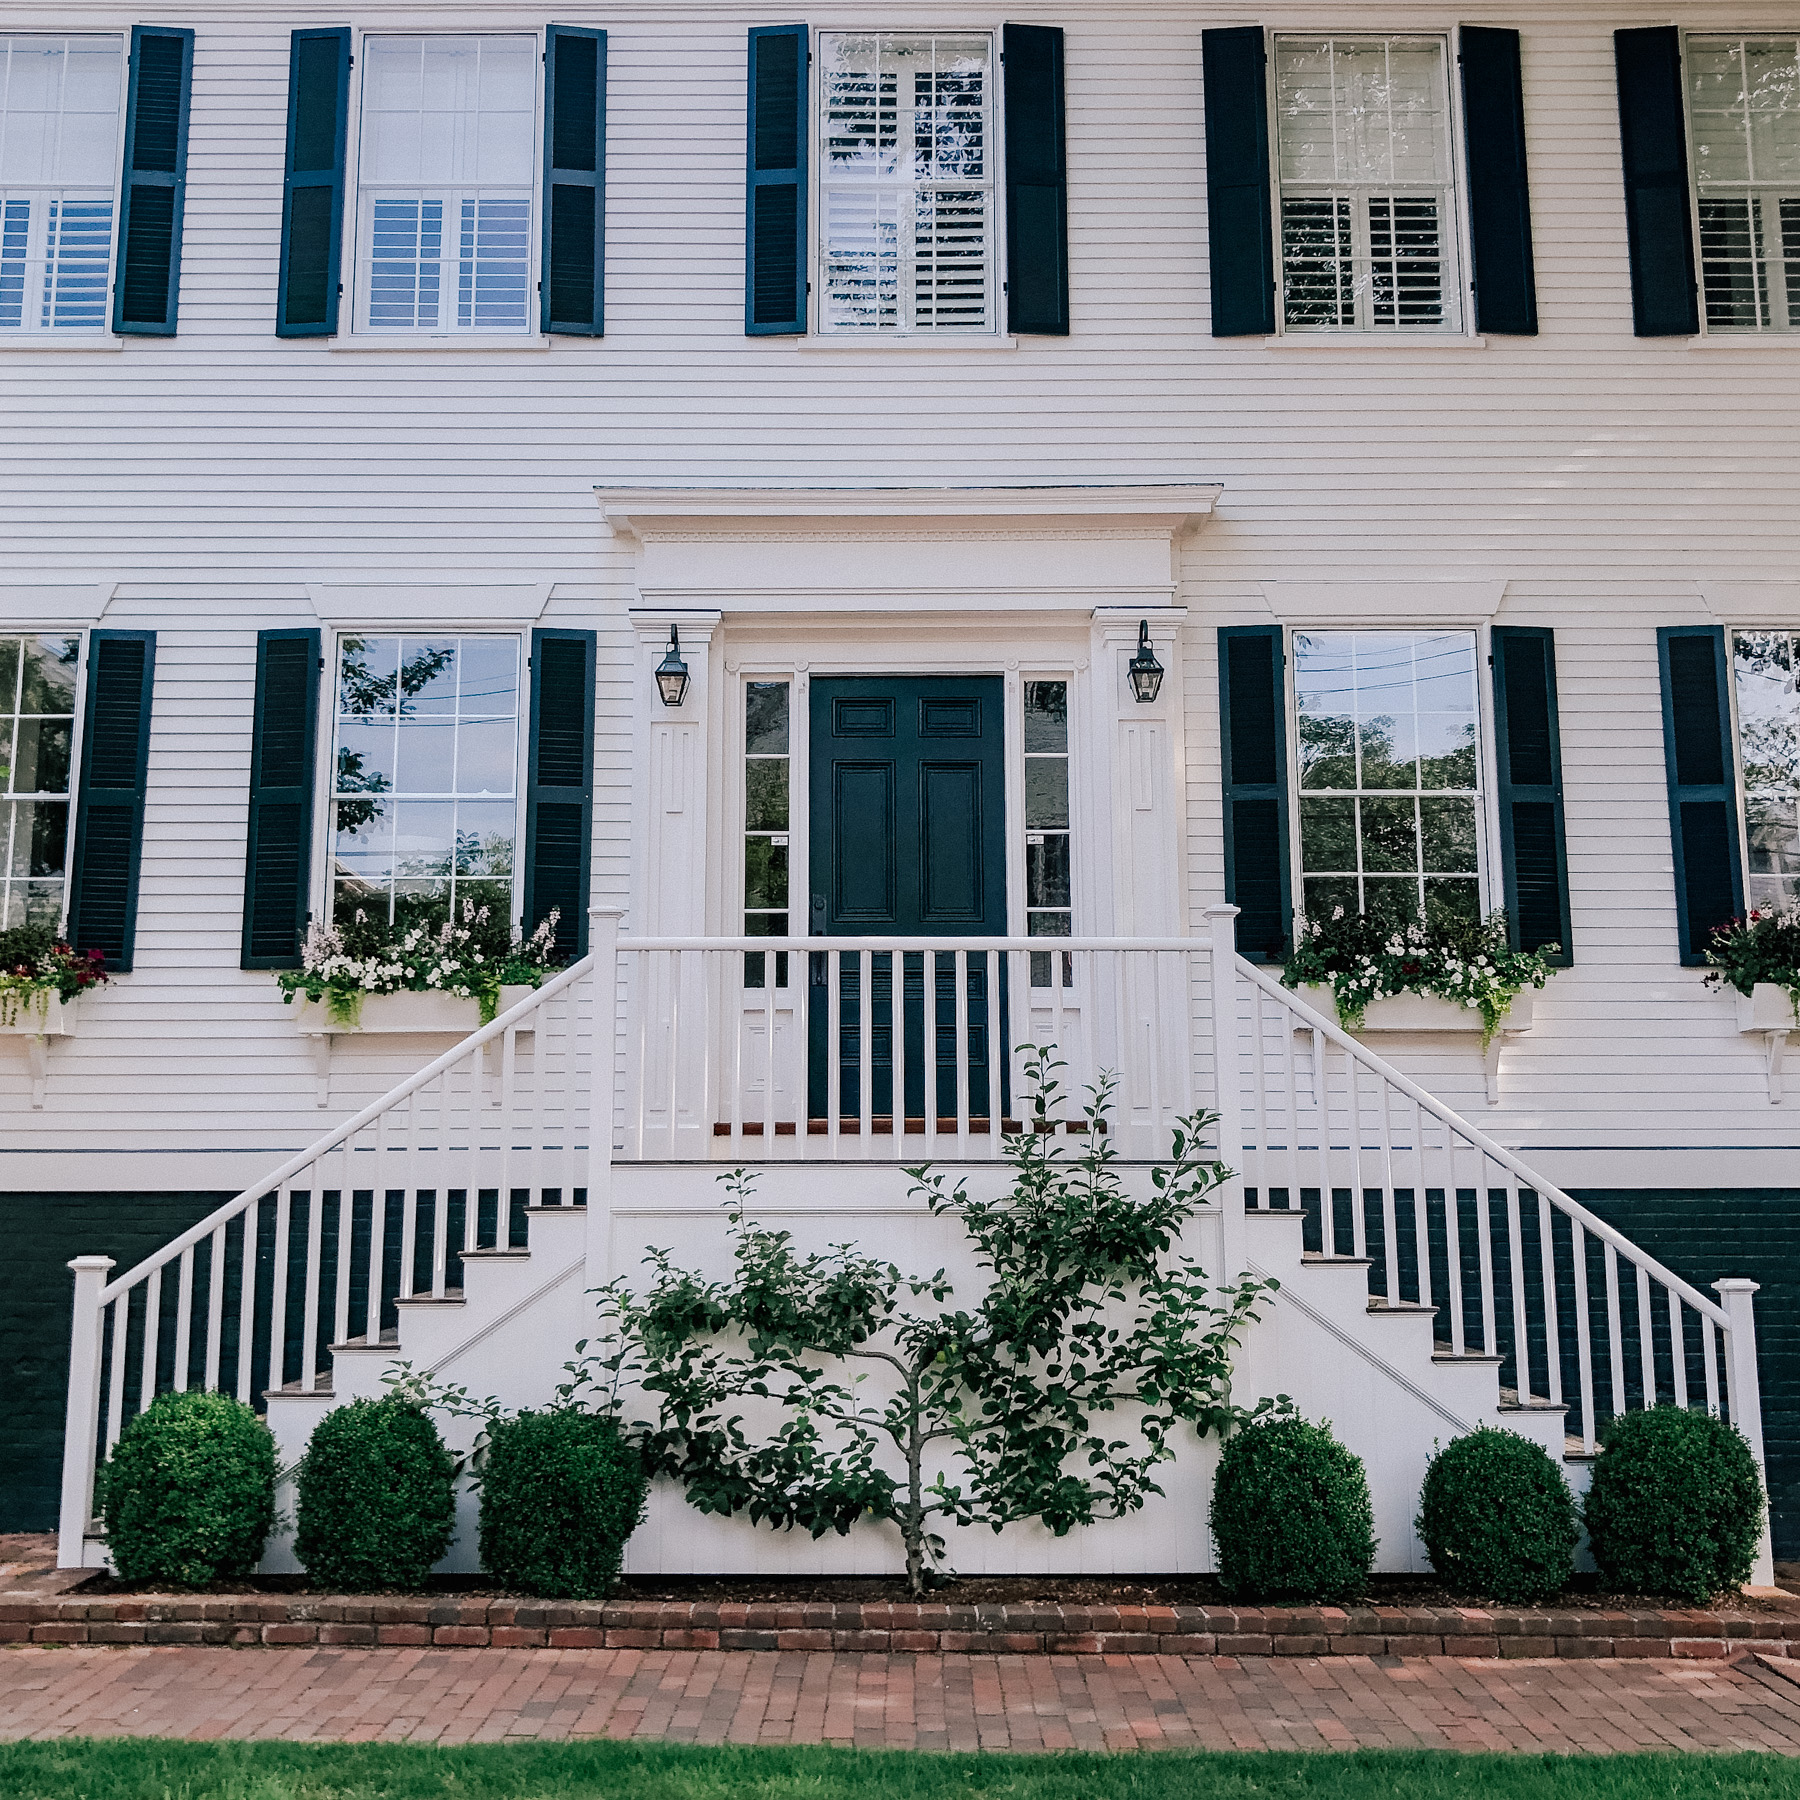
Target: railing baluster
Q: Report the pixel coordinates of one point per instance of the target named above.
(1453, 1256)
(215, 1308)
(677, 973)
(1552, 1324)
(1421, 1218)
(834, 1052)
(959, 969)
(1615, 1335)
(252, 1213)
(1515, 1256)
(284, 1204)
(865, 1062)
(184, 1321)
(1584, 1334)
(309, 1316)
(1709, 1361)
(1646, 1336)
(115, 1375)
(378, 1257)
(440, 1240)
(1359, 1224)
(1677, 1347)
(409, 1240)
(1484, 1249)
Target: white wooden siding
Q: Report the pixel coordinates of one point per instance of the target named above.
(211, 477)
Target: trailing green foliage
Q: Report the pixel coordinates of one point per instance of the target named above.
(1675, 1505)
(561, 1492)
(1763, 947)
(190, 1491)
(1498, 1519)
(1291, 1515)
(377, 1501)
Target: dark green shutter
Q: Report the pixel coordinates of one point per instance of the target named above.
(155, 178)
(1499, 196)
(1702, 767)
(559, 795)
(1037, 181)
(1253, 735)
(1533, 854)
(278, 854)
(1653, 146)
(775, 187)
(1239, 231)
(109, 801)
(574, 255)
(312, 205)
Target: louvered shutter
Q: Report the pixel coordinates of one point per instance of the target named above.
(1653, 147)
(775, 189)
(1037, 181)
(109, 801)
(278, 854)
(155, 177)
(559, 796)
(1499, 195)
(1533, 855)
(1702, 768)
(1253, 738)
(1240, 237)
(574, 255)
(312, 207)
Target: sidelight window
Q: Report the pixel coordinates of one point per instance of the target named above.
(766, 765)
(1049, 900)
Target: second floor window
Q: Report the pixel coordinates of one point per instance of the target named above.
(445, 183)
(60, 102)
(1768, 721)
(1367, 190)
(1744, 108)
(906, 207)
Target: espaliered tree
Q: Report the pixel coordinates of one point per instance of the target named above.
(812, 1390)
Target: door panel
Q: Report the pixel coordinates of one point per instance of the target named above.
(950, 845)
(862, 826)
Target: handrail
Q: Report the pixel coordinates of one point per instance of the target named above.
(882, 944)
(323, 1146)
(1479, 1139)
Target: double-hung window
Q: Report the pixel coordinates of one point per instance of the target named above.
(1764, 667)
(1744, 115)
(61, 104)
(446, 170)
(1367, 187)
(37, 731)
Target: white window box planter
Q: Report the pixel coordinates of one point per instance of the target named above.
(1768, 1012)
(37, 1021)
(1428, 1014)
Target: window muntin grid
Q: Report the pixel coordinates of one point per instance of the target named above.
(1366, 185)
(906, 205)
(767, 764)
(446, 163)
(1744, 113)
(60, 104)
(425, 760)
(1389, 773)
(1049, 899)
(37, 736)
(1764, 666)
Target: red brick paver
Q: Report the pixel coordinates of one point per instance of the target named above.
(931, 1702)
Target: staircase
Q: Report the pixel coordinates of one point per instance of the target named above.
(1430, 1281)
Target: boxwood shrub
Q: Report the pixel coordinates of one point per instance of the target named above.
(1291, 1515)
(1498, 1519)
(561, 1492)
(1675, 1505)
(377, 1502)
(190, 1491)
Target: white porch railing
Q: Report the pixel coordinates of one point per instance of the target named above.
(899, 1051)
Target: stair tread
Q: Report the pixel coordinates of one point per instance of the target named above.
(1397, 1307)
(1311, 1257)
(498, 1255)
(450, 1297)
(1467, 1356)
(387, 1341)
(300, 1390)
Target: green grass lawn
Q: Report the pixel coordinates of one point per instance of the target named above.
(163, 1769)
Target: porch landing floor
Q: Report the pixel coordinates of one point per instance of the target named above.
(899, 1701)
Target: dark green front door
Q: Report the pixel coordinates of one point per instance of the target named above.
(908, 832)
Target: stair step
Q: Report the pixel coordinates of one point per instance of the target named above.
(1318, 1259)
(388, 1340)
(557, 1212)
(1466, 1356)
(301, 1391)
(1510, 1402)
(450, 1297)
(1398, 1308)
(520, 1255)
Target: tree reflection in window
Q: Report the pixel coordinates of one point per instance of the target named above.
(1768, 716)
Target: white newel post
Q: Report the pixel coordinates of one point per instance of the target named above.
(81, 1427)
(603, 946)
(1227, 1096)
(1738, 1298)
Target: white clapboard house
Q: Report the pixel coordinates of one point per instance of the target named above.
(859, 506)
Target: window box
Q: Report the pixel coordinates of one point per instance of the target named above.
(37, 1021)
(403, 1015)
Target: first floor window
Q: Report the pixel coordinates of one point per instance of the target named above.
(1049, 902)
(906, 209)
(60, 101)
(1367, 192)
(37, 732)
(1768, 711)
(767, 754)
(425, 776)
(445, 182)
(1744, 104)
(1388, 773)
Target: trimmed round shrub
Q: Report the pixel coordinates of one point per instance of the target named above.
(560, 1493)
(1291, 1515)
(1498, 1519)
(1675, 1506)
(377, 1501)
(190, 1491)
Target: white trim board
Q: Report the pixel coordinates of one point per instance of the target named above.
(360, 608)
(1471, 602)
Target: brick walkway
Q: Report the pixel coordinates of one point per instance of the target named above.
(926, 1702)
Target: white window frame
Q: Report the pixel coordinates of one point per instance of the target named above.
(1489, 883)
(1741, 786)
(325, 751)
(358, 336)
(102, 336)
(76, 737)
(1732, 334)
(818, 332)
(1459, 281)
